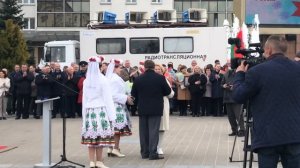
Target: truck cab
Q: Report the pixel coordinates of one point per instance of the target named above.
(63, 52)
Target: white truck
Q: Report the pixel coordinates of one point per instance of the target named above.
(162, 45)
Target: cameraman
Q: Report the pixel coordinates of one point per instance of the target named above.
(273, 89)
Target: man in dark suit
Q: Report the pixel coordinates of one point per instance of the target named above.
(44, 85)
(273, 88)
(23, 81)
(149, 89)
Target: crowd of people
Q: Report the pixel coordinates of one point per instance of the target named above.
(26, 83)
(105, 93)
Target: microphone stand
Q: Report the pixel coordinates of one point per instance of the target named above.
(63, 156)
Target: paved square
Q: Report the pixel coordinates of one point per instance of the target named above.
(192, 142)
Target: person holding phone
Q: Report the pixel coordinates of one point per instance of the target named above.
(234, 110)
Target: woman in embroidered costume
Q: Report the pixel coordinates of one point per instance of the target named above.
(97, 113)
(122, 125)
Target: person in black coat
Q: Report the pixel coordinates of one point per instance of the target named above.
(70, 92)
(57, 90)
(197, 84)
(148, 91)
(273, 89)
(12, 99)
(44, 84)
(217, 91)
(23, 81)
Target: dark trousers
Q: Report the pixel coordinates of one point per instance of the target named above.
(288, 154)
(14, 103)
(79, 109)
(58, 106)
(149, 130)
(196, 104)
(70, 106)
(235, 116)
(33, 106)
(182, 106)
(218, 106)
(173, 101)
(23, 106)
(207, 101)
(11, 104)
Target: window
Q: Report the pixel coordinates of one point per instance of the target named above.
(213, 6)
(130, 1)
(77, 53)
(178, 45)
(45, 20)
(110, 46)
(144, 45)
(221, 6)
(63, 13)
(29, 24)
(156, 1)
(56, 54)
(105, 1)
(26, 1)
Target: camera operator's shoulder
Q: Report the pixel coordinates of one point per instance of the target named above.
(259, 68)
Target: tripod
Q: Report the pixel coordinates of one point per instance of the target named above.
(63, 156)
(247, 146)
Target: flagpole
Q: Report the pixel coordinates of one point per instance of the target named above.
(226, 9)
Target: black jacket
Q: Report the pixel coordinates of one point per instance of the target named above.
(44, 85)
(13, 85)
(23, 84)
(58, 84)
(197, 88)
(149, 89)
(228, 79)
(216, 88)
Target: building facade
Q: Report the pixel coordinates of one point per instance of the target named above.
(276, 17)
(217, 10)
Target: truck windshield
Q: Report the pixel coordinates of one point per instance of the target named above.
(55, 54)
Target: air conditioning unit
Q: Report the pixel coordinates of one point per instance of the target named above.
(163, 16)
(195, 15)
(103, 17)
(134, 17)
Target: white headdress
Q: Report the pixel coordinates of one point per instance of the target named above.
(111, 67)
(94, 83)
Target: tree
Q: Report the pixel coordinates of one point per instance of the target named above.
(13, 47)
(11, 10)
(31, 60)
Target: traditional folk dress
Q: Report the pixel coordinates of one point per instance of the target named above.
(98, 110)
(122, 124)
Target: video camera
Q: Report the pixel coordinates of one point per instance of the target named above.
(250, 58)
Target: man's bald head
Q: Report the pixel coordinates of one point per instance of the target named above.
(275, 44)
(70, 70)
